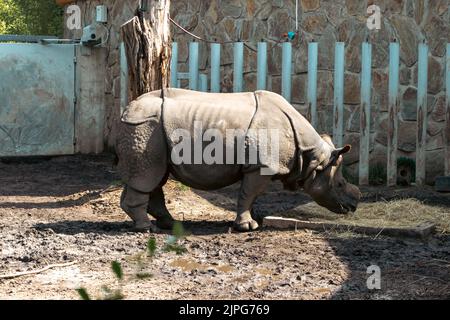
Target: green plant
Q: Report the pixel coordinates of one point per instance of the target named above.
(172, 244)
(108, 294)
(33, 17)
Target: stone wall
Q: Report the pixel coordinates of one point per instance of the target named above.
(325, 21)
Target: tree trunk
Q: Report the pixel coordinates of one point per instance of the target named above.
(147, 44)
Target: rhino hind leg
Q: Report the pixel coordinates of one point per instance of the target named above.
(253, 184)
(135, 203)
(157, 208)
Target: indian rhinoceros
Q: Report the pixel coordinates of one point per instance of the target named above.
(154, 125)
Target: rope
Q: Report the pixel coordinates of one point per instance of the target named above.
(210, 41)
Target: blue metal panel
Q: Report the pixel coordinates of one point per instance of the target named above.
(123, 77)
(338, 108)
(262, 66)
(422, 88)
(394, 61)
(36, 99)
(174, 66)
(312, 82)
(193, 65)
(286, 71)
(238, 70)
(215, 67)
(203, 80)
(366, 82)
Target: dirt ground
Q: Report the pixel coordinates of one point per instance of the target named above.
(66, 209)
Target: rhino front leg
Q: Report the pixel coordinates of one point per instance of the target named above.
(135, 203)
(253, 184)
(157, 208)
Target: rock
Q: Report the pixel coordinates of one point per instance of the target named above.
(213, 14)
(408, 107)
(434, 164)
(405, 75)
(380, 83)
(394, 6)
(310, 5)
(419, 10)
(353, 49)
(407, 131)
(187, 20)
(264, 11)
(233, 8)
(334, 12)
(438, 113)
(435, 75)
(380, 40)
(353, 155)
(356, 7)
(250, 81)
(438, 34)
(299, 88)
(325, 88)
(314, 23)
(251, 8)
(409, 36)
(437, 140)
(352, 89)
(276, 84)
(407, 135)
(326, 49)
(301, 52)
(325, 119)
(278, 23)
(274, 58)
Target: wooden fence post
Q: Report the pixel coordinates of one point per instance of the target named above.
(215, 67)
(286, 71)
(193, 65)
(312, 82)
(238, 67)
(174, 66)
(422, 88)
(364, 120)
(393, 109)
(262, 66)
(338, 107)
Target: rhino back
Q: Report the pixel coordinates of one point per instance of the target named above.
(189, 110)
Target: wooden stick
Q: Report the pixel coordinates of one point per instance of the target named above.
(24, 273)
(421, 231)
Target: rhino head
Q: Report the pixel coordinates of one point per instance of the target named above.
(326, 184)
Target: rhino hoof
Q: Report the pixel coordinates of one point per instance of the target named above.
(145, 228)
(246, 226)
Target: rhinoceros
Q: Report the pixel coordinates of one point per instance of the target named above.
(153, 126)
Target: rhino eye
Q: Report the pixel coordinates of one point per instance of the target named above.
(340, 184)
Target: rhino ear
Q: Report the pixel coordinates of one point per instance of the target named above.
(342, 150)
(339, 151)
